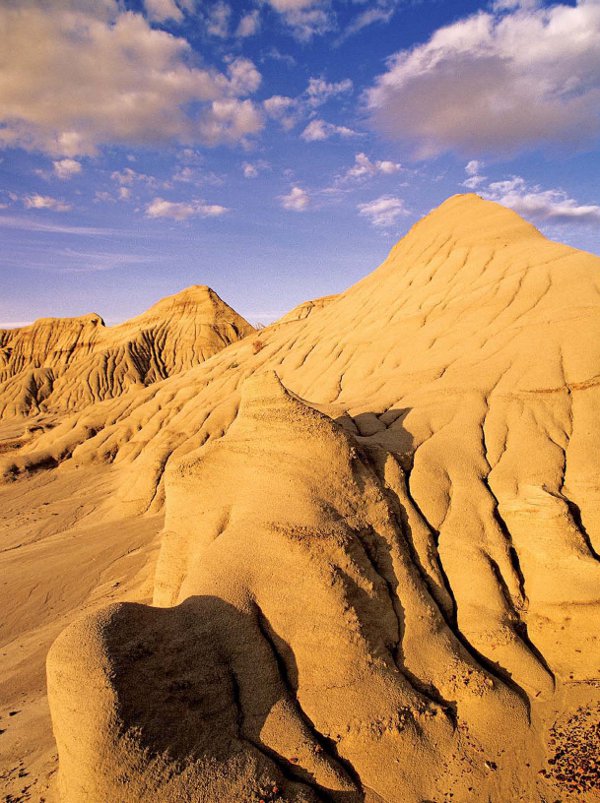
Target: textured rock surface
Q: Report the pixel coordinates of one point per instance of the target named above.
(398, 577)
(67, 363)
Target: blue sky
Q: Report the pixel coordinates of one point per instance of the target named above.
(276, 149)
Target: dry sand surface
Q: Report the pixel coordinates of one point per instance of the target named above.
(351, 557)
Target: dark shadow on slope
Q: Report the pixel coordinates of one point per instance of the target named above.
(199, 681)
(379, 434)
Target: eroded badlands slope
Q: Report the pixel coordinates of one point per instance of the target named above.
(67, 363)
(378, 577)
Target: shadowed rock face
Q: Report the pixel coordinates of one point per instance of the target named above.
(413, 552)
(67, 363)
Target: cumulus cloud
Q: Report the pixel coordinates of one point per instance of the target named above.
(66, 168)
(181, 210)
(37, 201)
(297, 200)
(318, 130)
(499, 81)
(539, 205)
(383, 212)
(113, 79)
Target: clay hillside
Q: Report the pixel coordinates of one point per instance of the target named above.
(67, 363)
(353, 557)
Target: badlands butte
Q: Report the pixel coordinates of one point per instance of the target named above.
(350, 557)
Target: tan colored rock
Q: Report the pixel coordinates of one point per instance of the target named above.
(68, 363)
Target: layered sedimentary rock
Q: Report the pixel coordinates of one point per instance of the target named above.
(67, 363)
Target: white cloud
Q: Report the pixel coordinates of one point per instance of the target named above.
(253, 169)
(180, 210)
(527, 77)
(363, 167)
(66, 168)
(36, 201)
(162, 10)
(318, 130)
(249, 170)
(142, 94)
(474, 177)
(248, 24)
(276, 54)
(320, 91)
(283, 109)
(380, 11)
(128, 177)
(541, 206)
(217, 23)
(230, 121)
(101, 196)
(305, 18)
(186, 175)
(297, 200)
(383, 212)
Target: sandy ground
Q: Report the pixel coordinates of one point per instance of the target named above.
(59, 556)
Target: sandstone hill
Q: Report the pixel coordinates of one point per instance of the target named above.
(377, 573)
(67, 363)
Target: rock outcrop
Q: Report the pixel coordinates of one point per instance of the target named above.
(61, 364)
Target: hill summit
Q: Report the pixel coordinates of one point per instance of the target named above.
(67, 363)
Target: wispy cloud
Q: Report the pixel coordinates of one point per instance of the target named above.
(305, 18)
(70, 260)
(182, 210)
(27, 224)
(380, 11)
(319, 130)
(319, 91)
